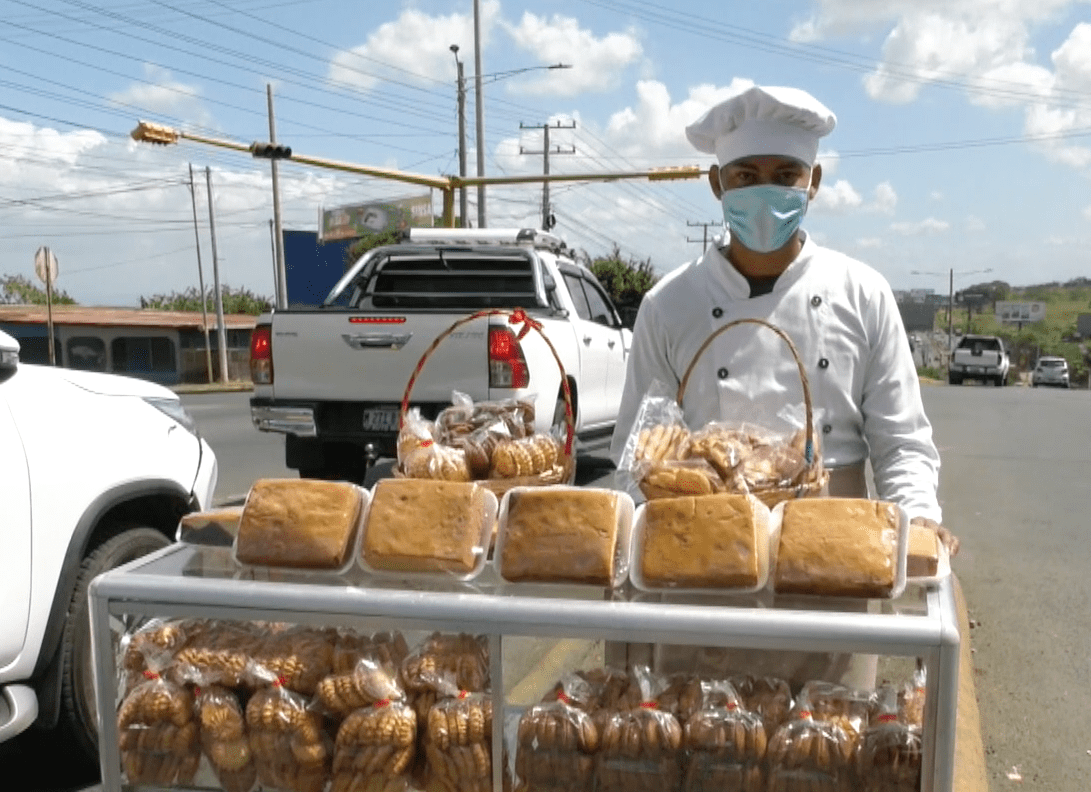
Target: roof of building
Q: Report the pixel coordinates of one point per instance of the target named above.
(120, 317)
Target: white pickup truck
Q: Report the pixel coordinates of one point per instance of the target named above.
(981, 358)
(332, 378)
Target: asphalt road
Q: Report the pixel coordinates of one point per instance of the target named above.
(1014, 487)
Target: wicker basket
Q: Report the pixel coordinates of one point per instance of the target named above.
(564, 472)
(815, 476)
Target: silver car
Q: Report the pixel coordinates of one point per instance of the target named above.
(1050, 371)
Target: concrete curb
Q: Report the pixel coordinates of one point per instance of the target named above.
(970, 772)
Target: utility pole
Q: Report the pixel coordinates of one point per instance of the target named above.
(221, 331)
(279, 279)
(462, 204)
(547, 215)
(201, 277)
(479, 109)
(951, 314)
(704, 240)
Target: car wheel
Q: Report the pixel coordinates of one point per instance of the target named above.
(77, 669)
(954, 379)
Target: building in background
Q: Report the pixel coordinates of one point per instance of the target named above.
(167, 347)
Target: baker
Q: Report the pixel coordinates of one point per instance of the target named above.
(840, 314)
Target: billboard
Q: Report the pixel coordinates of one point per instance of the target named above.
(1020, 312)
(357, 220)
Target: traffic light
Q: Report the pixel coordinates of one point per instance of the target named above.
(270, 151)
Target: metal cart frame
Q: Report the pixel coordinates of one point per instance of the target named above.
(180, 581)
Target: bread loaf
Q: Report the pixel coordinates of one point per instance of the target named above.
(561, 535)
(923, 560)
(216, 527)
(426, 526)
(708, 542)
(842, 547)
(301, 523)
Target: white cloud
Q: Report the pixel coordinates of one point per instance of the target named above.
(597, 63)
(870, 243)
(1087, 211)
(885, 199)
(837, 198)
(25, 146)
(974, 225)
(928, 226)
(161, 94)
(385, 54)
(830, 161)
(936, 195)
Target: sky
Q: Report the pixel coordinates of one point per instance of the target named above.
(962, 148)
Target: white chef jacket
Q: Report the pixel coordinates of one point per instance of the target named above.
(844, 321)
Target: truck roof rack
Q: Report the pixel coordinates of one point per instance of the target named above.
(485, 236)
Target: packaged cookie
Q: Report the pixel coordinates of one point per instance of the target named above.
(725, 745)
(157, 733)
(291, 748)
(457, 744)
(768, 697)
(806, 754)
(556, 742)
(224, 741)
(911, 699)
(299, 657)
(375, 747)
(369, 681)
(640, 747)
(442, 664)
(888, 758)
(218, 652)
(154, 644)
(832, 703)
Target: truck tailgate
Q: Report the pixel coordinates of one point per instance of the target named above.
(368, 357)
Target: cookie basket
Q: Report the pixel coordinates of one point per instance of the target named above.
(810, 482)
(563, 469)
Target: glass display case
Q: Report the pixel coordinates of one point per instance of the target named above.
(533, 634)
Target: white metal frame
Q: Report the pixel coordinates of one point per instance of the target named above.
(178, 582)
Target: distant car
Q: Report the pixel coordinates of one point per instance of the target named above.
(95, 471)
(1050, 371)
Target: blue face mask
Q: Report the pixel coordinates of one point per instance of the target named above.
(764, 217)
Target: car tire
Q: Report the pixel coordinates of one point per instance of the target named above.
(77, 670)
(954, 379)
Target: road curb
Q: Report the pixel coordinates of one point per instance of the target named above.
(970, 773)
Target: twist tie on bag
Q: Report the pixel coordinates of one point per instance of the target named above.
(887, 717)
(564, 698)
(280, 681)
(463, 694)
(150, 675)
(649, 705)
(383, 703)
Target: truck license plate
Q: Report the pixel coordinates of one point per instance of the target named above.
(975, 369)
(381, 419)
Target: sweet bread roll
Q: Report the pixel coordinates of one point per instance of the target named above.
(840, 547)
(300, 523)
(426, 526)
(710, 542)
(561, 535)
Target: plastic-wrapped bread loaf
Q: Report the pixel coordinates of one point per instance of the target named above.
(726, 746)
(889, 755)
(299, 523)
(561, 535)
(556, 742)
(838, 547)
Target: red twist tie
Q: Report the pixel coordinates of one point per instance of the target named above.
(563, 697)
(196, 690)
(805, 714)
(280, 682)
(150, 675)
(463, 694)
(382, 703)
(732, 706)
(887, 718)
(649, 704)
(426, 443)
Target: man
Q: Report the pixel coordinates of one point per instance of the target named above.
(840, 314)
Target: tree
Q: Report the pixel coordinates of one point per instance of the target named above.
(235, 301)
(369, 242)
(19, 290)
(627, 281)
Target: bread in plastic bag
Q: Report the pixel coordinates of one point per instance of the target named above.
(556, 742)
(888, 757)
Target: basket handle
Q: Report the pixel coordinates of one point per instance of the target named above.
(515, 316)
(809, 448)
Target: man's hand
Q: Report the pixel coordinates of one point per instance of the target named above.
(950, 541)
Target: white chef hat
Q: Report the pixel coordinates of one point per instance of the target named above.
(769, 120)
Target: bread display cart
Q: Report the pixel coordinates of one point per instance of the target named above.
(193, 581)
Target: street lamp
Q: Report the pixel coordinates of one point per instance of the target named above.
(462, 205)
(951, 299)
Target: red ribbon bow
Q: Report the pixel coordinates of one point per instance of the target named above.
(519, 316)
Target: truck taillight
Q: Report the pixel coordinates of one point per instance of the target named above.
(261, 355)
(507, 364)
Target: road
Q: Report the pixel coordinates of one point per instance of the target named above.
(1014, 487)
